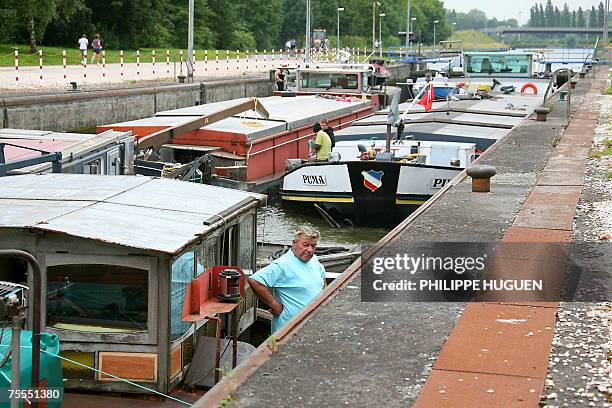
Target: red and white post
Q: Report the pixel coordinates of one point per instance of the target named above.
(205, 60)
(217, 60)
(238, 60)
(40, 65)
(167, 62)
(193, 64)
(16, 65)
(273, 51)
(64, 64)
(84, 64)
(103, 64)
(138, 64)
(256, 52)
(153, 62)
(121, 62)
(265, 55)
(227, 60)
(247, 61)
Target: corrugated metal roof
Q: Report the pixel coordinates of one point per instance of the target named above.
(296, 111)
(139, 212)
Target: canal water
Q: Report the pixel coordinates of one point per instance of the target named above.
(277, 222)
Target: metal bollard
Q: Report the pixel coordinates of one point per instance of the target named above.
(481, 177)
(541, 112)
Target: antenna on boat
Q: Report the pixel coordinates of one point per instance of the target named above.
(307, 56)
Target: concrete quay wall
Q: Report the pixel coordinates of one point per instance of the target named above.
(64, 112)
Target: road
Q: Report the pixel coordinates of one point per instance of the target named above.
(93, 76)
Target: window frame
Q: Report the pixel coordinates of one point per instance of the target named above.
(148, 263)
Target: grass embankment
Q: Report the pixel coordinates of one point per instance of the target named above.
(473, 39)
(53, 55)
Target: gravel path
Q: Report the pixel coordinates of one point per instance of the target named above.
(580, 370)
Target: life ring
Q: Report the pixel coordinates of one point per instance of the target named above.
(529, 85)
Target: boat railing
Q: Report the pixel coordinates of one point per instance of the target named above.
(567, 86)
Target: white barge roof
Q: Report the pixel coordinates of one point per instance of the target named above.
(147, 213)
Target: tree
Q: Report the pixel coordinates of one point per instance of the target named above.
(574, 19)
(549, 14)
(593, 17)
(33, 16)
(542, 20)
(566, 16)
(557, 22)
(600, 15)
(580, 21)
(264, 21)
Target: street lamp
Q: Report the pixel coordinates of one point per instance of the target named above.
(408, 26)
(434, 44)
(413, 20)
(374, 24)
(453, 34)
(338, 38)
(381, 15)
(307, 56)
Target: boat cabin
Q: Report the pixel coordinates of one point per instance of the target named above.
(117, 254)
(333, 78)
(39, 151)
(499, 64)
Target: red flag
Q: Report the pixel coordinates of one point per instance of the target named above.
(427, 98)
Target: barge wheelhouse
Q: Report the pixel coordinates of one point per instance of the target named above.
(117, 254)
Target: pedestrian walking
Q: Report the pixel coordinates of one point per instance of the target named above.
(96, 44)
(83, 44)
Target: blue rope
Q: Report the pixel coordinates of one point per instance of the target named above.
(110, 375)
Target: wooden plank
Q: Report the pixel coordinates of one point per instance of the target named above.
(176, 361)
(129, 366)
(165, 135)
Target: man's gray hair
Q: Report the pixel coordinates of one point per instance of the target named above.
(306, 232)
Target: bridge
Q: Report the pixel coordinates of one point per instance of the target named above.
(544, 30)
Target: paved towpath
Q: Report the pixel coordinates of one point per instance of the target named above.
(346, 352)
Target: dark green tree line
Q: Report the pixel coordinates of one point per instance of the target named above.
(234, 24)
(549, 16)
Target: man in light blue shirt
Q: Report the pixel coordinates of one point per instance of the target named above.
(293, 280)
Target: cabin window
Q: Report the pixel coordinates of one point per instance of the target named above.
(322, 80)
(208, 253)
(183, 271)
(497, 64)
(97, 297)
(94, 167)
(228, 246)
